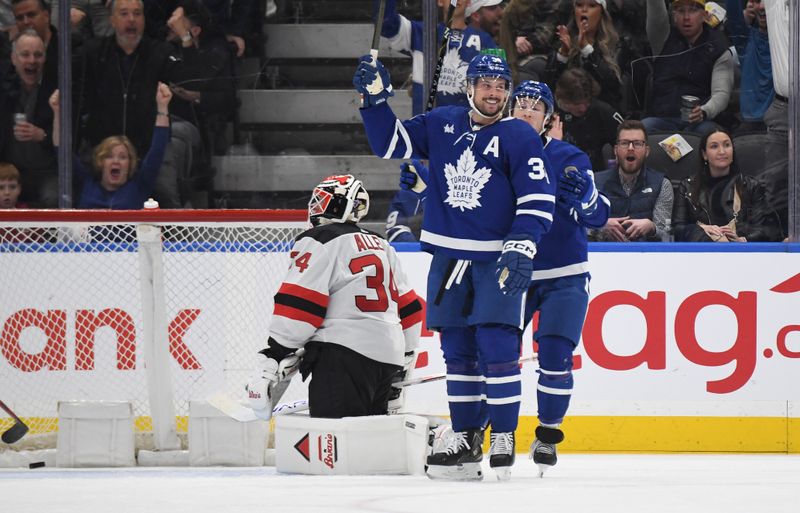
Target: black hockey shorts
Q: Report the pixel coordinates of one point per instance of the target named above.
(345, 383)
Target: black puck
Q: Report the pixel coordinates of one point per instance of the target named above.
(36, 464)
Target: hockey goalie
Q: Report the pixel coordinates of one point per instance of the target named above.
(345, 316)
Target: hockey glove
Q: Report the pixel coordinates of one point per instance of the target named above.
(413, 176)
(372, 82)
(397, 396)
(576, 188)
(262, 389)
(515, 265)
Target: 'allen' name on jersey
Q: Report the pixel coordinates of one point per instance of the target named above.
(367, 241)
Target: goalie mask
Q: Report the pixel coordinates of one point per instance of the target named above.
(338, 199)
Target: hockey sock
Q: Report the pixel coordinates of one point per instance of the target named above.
(499, 345)
(554, 388)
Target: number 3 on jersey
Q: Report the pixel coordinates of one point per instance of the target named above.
(538, 171)
(374, 282)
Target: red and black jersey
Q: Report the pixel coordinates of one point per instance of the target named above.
(345, 286)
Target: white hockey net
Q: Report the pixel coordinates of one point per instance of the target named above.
(77, 294)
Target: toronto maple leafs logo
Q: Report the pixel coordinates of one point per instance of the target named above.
(464, 182)
(449, 129)
(453, 74)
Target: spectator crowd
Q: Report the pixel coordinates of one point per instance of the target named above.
(626, 74)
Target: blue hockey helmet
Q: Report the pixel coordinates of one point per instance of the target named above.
(537, 91)
(484, 65)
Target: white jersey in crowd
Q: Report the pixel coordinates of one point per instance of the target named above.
(345, 287)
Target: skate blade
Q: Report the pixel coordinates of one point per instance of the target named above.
(543, 468)
(463, 472)
(502, 473)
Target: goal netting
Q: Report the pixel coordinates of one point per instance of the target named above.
(153, 307)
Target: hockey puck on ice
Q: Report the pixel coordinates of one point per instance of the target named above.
(36, 464)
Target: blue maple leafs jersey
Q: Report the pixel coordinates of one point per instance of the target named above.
(562, 251)
(406, 36)
(485, 182)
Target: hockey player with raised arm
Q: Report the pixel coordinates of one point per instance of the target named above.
(490, 200)
(560, 289)
(345, 313)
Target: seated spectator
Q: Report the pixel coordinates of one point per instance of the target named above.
(203, 86)
(588, 123)
(117, 181)
(748, 30)
(589, 41)
(405, 211)
(118, 81)
(527, 31)
(719, 203)
(25, 121)
(10, 187)
(641, 197)
(692, 59)
(466, 41)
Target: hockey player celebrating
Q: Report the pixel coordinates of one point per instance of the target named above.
(560, 289)
(346, 307)
(490, 200)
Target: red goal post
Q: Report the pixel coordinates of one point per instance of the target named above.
(156, 307)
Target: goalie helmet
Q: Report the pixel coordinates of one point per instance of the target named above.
(537, 91)
(338, 199)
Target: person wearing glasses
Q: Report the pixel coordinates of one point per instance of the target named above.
(641, 197)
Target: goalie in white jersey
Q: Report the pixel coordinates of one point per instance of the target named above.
(348, 305)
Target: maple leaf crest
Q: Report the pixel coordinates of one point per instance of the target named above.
(453, 74)
(464, 182)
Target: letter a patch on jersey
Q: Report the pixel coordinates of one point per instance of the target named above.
(464, 182)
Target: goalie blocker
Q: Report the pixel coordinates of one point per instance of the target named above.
(372, 445)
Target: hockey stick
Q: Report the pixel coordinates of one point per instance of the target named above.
(440, 58)
(16, 431)
(376, 34)
(440, 376)
(242, 413)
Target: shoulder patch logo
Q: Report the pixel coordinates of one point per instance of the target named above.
(464, 182)
(449, 129)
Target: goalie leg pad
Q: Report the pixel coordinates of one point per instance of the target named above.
(375, 445)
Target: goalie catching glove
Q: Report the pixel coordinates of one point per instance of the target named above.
(372, 82)
(576, 188)
(515, 265)
(269, 382)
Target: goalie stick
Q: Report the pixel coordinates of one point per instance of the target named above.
(238, 411)
(16, 431)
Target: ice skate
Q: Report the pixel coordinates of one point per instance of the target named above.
(461, 458)
(501, 454)
(543, 449)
